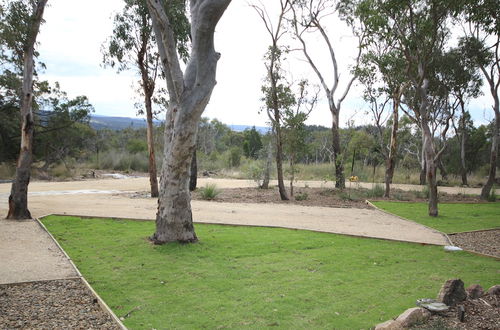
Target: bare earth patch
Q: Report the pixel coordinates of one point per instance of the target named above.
(481, 313)
(303, 196)
(60, 304)
(324, 197)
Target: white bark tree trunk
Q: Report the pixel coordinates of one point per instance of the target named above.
(189, 94)
(18, 199)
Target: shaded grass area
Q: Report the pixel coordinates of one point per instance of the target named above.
(453, 218)
(248, 277)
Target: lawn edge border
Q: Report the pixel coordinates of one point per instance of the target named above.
(254, 226)
(101, 302)
(402, 218)
(474, 231)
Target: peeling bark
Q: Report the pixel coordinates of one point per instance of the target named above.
(337, 153)
(18, 199)
(193, 176)
(189, 94)
(391, 158)
(485, 192)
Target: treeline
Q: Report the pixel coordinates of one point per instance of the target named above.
(66, 145)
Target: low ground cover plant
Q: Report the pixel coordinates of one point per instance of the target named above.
(258, 277)
(453, 217)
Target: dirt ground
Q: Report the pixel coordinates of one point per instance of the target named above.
(112, 198)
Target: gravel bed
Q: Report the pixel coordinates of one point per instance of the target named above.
(485, 242)
(60, 304)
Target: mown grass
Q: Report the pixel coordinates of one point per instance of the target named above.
(453, 218)
(246, 277)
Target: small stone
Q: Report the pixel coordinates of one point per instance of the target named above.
(452, 292)
(389, 325)
(494, 290)
(474, 291)
(412, 316)
(432, 305)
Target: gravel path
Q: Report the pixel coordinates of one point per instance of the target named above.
(61, 304)
(28, 254)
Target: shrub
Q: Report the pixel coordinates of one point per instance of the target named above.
(209, 192)
(493, 196)
(301, 196)
(377, 191)
(7, 171)
(234, 157)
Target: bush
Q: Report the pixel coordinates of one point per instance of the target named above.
(136, 145)
(301, 196)
(234, 157)
(493, 196)
(7, 171)
(209, 192)
(424, 193)
(60, 171)
(377, 191)
(124, 161)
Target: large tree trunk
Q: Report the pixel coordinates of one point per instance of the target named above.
(153, 181)
(391, 159)
(189, 94)
(174, 221)
(429, 153)
(337, 152)
(18, 199)
(485, 192)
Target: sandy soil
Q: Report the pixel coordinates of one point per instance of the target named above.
(28, 254)
(141, 184)
(362, 222)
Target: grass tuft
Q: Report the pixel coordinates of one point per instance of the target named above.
(209, 192)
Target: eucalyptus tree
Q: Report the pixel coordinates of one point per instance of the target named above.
(133, 45)
(463, 82)
(276, 90)
(309, 16)
(189, 92)
(294, 118)
(381, 72)
(418, 31)
(19, 29)
(482, 46)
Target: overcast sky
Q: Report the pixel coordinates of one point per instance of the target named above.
(70, 46)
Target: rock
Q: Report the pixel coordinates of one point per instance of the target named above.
(432, 305)
(389, 325)
(452, 292)
(494, 290)
(474, 291)
(412, 316)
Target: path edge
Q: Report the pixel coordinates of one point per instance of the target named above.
(101, 302)
(400, 217)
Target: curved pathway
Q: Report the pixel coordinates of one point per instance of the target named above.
(28, 254)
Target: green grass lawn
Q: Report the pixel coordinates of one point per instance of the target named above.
(453, 218)
(248, 277)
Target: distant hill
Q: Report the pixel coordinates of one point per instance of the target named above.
(118, 123)
(241, 128)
